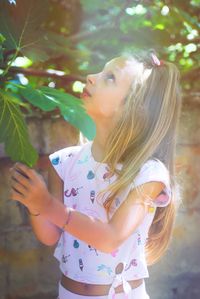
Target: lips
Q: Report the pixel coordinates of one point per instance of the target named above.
(85, 93)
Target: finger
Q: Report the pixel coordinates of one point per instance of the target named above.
(16, 190)
(16, 175)
(18, 167)
(18, 187)
(24, 170)
(15, 195)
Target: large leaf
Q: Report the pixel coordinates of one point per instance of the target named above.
(71, 108)
(13, 131)
(80, 120)
(38, 99)
(73, 111)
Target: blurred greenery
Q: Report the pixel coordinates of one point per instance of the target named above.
(48, 47)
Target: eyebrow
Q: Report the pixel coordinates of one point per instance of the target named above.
(115, 68)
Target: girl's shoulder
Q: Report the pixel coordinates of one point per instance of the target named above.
(65, 153)
(152, 165)
(154, 170)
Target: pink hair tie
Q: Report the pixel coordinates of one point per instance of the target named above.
(156, 61)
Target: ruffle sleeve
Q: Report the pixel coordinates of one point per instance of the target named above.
(60, 158)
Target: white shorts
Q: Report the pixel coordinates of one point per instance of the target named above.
(137, 293)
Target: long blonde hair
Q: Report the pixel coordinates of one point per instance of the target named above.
(147, 129)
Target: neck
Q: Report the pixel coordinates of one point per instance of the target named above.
(99, 142)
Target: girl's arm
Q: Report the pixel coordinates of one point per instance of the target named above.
(45, 231)
(105, 236)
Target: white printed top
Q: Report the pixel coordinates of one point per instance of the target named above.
(83, 178)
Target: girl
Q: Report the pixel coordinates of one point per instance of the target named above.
(113, 202)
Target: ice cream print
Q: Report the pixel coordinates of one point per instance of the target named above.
(90, 175)
(76, 244)
(81, 264)
(55, 160)
(93, 249)
(92, 195)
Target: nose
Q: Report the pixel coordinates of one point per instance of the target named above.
(91, 79)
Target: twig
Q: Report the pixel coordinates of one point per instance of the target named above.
(40, 73)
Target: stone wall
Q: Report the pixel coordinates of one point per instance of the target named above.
(28, 268)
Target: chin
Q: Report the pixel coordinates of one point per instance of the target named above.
(95, 117)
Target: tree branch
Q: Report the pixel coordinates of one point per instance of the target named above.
(40, 73)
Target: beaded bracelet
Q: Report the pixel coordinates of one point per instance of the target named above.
(68, 219)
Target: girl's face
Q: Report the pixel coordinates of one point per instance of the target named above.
(108, 89)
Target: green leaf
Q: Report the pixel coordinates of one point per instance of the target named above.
(13, 132)
(37, 98)
(16, 99)
(62, 97)
(72, 110)
(80, 120)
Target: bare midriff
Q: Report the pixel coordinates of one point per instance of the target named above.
(86, 289)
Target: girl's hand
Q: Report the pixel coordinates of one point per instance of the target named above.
(29, 188)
